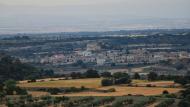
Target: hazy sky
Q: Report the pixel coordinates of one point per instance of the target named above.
(92, 15)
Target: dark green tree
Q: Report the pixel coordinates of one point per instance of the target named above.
(91, 74)
(152, 76)
(136, 76)
(106, 74)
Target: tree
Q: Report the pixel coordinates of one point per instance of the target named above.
(12, 68)
(121, 78)
(118, 75)
(136, 76)
(73, 75)
(107, 82)
(181, 80)
(91, 73)
(106, 74)
(152, 76)
(2, 94)
(10, 86)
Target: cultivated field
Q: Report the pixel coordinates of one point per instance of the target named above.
(121, 90)
(88, 83)
(156, 83)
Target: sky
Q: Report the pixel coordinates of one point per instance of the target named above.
(22, 16)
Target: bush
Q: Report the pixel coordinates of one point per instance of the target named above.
(148, 85)
(83, 88)
(111, 90)
(165, 92)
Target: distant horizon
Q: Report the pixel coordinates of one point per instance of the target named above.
(31, 33)
(41, 16)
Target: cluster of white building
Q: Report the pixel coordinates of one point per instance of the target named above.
(92, 54)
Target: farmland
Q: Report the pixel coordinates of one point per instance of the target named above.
(88, 83)
(120, 90)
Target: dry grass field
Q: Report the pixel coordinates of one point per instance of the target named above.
(122, 90)
(96, 84)
(156, 83)
(88, 83)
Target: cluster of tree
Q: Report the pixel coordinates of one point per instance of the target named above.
(9, 88)
(185, 102)
(13, 68)
(116, 78)
(90, 73)
(183, 80)
(110, 79)
(166, 103)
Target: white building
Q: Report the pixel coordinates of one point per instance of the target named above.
(100, 61)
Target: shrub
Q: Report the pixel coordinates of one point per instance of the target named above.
(148, 85)
(82, 88)
(111, 90)
(165, 92)
(32, 80)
